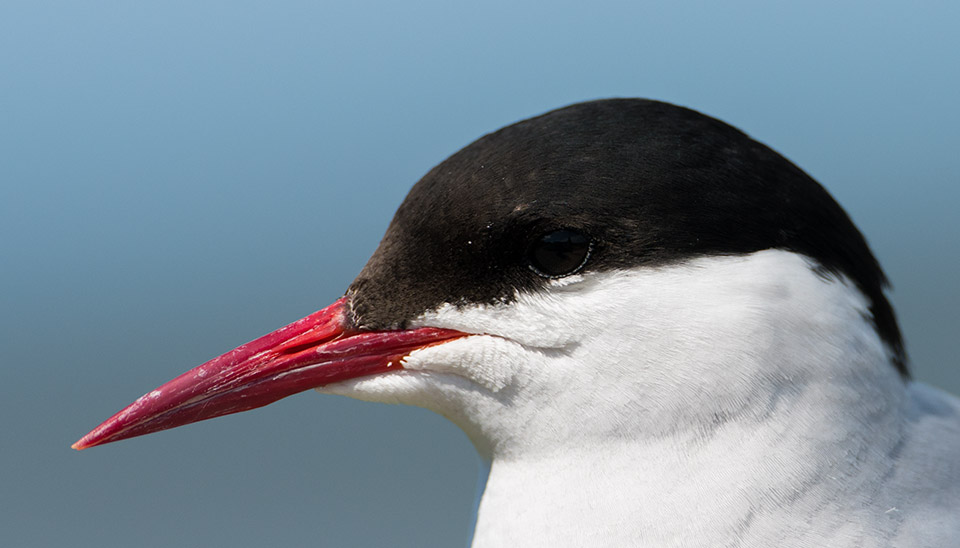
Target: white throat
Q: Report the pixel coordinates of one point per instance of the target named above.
(704, 403)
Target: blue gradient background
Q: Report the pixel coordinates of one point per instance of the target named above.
(177, 178)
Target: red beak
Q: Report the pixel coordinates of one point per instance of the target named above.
(318, 350)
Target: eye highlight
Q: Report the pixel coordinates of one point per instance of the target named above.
(559, 253)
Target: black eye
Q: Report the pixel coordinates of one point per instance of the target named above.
(559, 253)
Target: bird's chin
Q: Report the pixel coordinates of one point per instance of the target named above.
(471, 381)
(457, 398)
(478, 363)
(407, 387)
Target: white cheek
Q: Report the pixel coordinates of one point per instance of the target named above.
(701, 328)
(491, 362)
(552, 319)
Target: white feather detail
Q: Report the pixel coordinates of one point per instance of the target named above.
(726, 401)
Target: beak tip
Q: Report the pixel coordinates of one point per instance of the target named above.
(87, 442)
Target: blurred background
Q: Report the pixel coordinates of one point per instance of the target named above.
(177, 178)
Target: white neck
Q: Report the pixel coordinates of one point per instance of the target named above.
(759, 479)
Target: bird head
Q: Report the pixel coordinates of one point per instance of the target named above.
(606, 269)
